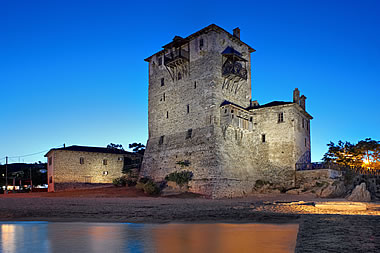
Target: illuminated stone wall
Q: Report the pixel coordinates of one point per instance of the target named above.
(225, 148)
(66, 171)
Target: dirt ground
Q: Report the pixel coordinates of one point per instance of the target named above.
(320, 230)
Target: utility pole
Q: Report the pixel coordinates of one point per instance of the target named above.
(6, 175)
(31, 182)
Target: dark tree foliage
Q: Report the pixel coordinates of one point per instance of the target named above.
(366, 153)
(115, 146)
(137, 148)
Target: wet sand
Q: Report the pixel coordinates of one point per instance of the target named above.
(319, 231)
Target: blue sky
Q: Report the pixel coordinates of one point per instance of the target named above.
(73, 71)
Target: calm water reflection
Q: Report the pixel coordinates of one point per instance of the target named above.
(122, 237)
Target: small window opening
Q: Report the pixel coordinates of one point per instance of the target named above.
(179, 76)
(189, 133)
(161, 141)
(280, 117)
(105, 173)
(195, 85)
(225, 110)
(201, 44)
(104, 161)
(167, 114)
(303, 123)
(188, 108)
(81, 160)
(50, 180)
(164, 96)
(159, 61)
(263, 138)
(162, 81)
(120, 159)
(251, 119)
(50, 160)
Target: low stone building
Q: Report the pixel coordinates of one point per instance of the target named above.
(81, 166)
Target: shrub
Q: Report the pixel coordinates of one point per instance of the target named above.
(148, 186)
(151, 188)
(120, 181)
(181, 178)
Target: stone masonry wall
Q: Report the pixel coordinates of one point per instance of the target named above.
(66, 168)
(226, 151)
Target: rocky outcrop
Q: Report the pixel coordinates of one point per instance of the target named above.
(360, 193)
(334, 190)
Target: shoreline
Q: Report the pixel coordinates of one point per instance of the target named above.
(327, 231)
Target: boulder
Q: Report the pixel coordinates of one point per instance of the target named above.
(360, 193)
(335, 190)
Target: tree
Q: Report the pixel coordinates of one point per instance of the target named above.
(137, 148)
(365, 153)
(115, 146)
(370, 149)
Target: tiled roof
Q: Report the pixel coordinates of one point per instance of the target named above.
(93, 149)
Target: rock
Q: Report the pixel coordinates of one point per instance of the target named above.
(360, 193)
(293, 191)
(335, 190)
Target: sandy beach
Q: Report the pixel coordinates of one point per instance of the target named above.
(320, 230)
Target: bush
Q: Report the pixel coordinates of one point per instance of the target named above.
(148, 186)
(181, 178)
(151, 188)
(120, 181)
(124, 181)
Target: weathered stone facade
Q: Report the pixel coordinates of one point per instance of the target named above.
(78, 166)
(200, 110)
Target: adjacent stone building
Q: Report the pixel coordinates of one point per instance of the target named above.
(81, 166)
(201, 112)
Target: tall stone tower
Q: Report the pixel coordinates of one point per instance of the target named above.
(201, 114)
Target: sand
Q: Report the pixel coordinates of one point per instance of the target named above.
(320, 230)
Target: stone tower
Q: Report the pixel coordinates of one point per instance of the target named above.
(201, 113)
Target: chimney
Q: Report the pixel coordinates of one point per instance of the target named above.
(302, 102)
(237, 32)
(296, 96)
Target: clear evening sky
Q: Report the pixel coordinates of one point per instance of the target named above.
(73, 71)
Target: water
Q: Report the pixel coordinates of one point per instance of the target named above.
(67, 237)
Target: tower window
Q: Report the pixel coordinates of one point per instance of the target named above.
(162, 81)
(195, 85)
(161, 141)
(167, 114)
(189, 133)
(81, 160)
(105, 162)
(225, 110)
(188, 108)
(159, 61)
(179, 76)
(263, 138)
(250, 119)
(280, 117)
(163, 96)
(50, 160)
(201, 44)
